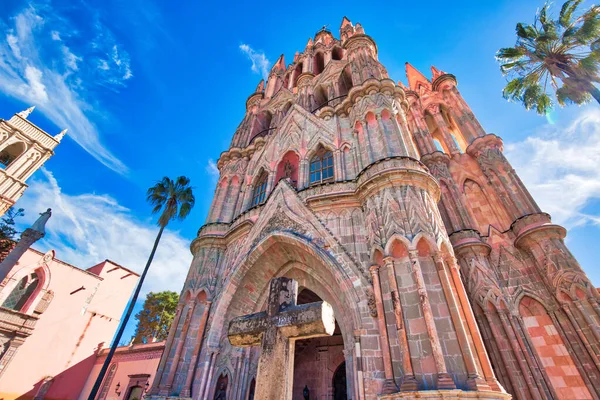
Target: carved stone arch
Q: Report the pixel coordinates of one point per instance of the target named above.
(521, 293)
(202, 294)
(428, 238)
(403, 240)
(348, 291)
(314, 148)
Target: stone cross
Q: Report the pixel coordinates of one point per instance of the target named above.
(275, 330)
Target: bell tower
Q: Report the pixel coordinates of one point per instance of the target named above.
(24, 148)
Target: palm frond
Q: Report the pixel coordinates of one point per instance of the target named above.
(566, 12)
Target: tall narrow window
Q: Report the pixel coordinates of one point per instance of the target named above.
(321, 166)
(22, 292)
(260, 190)
(107, 381)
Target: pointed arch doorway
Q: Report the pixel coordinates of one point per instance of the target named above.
(319, 278)
(315, 359)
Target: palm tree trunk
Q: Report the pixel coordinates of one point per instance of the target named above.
(117, 339)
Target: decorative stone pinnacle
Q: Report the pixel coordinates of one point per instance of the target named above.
(61, 135)
(24, 114)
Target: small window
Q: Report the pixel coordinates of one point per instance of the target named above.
(321, 167)
(10, 154)
(260, 190)
(22, 292)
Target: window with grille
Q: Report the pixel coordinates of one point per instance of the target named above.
(22, 292)
(321, 167)
(260, 190)
(107, 380)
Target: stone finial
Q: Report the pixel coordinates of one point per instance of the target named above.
(261, 86)
(416, 78)
(40, 224)
(61, 135)
(436, 73)
(279, 65)
(24, 114)
(309, 44)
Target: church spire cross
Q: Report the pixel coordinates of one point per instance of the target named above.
(283, 321)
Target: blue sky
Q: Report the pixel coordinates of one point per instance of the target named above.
(149, 88)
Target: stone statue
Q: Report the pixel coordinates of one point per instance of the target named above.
(306, 393)
(40, 224)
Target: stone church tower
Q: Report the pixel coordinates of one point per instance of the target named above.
(24, 148)
(395, 206)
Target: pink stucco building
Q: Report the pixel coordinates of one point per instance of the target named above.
(54, 318)
(131, 372)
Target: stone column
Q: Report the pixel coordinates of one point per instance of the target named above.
(474, 381)
(381, 133)
(187, 388)
(389, 386)
(406, 144)
(517, 351)
(409, 383)
(581, 335)
(28, 237)
(591, 323)
(360, 387)
(444, 381)
(467, 309)
(166, 390)
(439, 120)
(165, 355)
(207, 373)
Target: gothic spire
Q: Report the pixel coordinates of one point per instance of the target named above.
(279, 65)
(416, 78)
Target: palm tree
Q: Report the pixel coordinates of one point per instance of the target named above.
(560, 55)
(173, 200)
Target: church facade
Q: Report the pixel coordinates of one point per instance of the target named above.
(395, 206)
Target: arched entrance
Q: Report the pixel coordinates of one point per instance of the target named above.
(340, 391)
(221, 388)
(319, 278)
(315, 359)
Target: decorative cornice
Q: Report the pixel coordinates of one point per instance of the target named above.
(489, 141)
(359, 40)
(532, 227)
(443, 78)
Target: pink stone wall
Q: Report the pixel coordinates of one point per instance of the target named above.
(68, 334)
(136, 364)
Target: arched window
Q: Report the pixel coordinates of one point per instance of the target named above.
(107, 381)
(260, 190)
(22, 292)
(10, 153)
(337, 53)
(319, 64)
(321, 166)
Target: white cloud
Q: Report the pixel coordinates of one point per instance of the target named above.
(88, 228)
(260, 63)
(560, 165)
(38, 68)
(212, 169)
(13, 43)
(70, 59)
